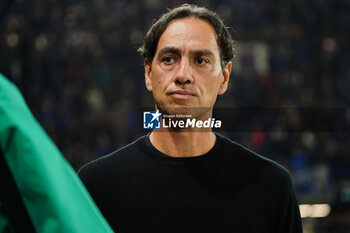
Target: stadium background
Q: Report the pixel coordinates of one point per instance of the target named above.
(77, 67)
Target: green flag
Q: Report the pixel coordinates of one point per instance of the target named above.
(52, 193)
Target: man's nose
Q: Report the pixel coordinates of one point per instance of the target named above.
(184, 73)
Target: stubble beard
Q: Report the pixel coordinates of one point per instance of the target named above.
(198, 113)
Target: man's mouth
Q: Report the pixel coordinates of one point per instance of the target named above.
(181, 93)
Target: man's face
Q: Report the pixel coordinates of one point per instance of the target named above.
(186, 70)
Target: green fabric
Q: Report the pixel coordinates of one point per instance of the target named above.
(53, 194)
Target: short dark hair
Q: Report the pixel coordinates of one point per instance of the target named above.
(224, 39)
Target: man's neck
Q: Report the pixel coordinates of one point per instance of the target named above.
(183, 143)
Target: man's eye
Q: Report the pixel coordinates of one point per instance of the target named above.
(168, 60)
(201, 61)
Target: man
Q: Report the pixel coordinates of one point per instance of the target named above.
(175, 180)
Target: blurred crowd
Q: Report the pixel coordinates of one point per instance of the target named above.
(76, 64)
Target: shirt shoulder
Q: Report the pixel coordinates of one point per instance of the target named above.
(122, 157)
(250, 163)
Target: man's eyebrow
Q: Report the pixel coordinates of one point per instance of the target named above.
(173, 50)
(203, 53)
(169, 50)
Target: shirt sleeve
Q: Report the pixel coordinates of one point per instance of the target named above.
(289, 220)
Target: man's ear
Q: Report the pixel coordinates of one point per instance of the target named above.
(226, 77)
(148, 71)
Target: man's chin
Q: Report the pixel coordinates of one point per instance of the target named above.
(185, 111)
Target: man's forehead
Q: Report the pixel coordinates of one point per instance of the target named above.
(189, 34)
